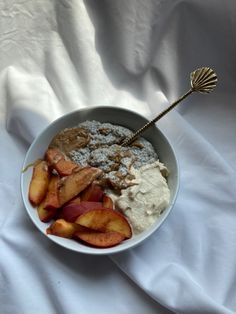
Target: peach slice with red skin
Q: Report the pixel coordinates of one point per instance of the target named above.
(107, 202)
(48, 208)
(52, 199)
(100, 239)
(45, 215)
(58, 161)
(105, 220)
(93, 193)
(39, 183)
(74, 201)
(64, 229)
(71, 212)
(72, 185)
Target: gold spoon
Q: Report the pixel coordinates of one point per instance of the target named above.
(202, 80)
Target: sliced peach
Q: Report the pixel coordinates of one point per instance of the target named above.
(100, 239)
(72, 185)
(105, 220)
(46, 215)
(75, 201)
(90, 205)
(93, 193)
(52, 198)
(62, 228)
(58, 161)
(107, 202)
(39, 183)
(71, 212)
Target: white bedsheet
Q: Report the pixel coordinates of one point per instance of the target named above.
(62, 55)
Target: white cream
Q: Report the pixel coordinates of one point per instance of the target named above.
(144, 201)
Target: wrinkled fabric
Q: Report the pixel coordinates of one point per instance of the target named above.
(60, 56)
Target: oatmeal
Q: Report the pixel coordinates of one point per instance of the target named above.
(103, 150)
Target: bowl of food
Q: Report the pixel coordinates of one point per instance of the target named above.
(87, 192)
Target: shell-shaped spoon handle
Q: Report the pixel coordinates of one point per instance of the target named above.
(202, 80)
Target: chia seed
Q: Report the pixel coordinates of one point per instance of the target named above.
(104, 151)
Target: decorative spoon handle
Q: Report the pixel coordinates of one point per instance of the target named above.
(202, 80)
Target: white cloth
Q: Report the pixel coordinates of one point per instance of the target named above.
(62, 55)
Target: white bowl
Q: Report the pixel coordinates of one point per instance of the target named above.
(113, 115)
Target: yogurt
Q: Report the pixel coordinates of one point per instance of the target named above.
(147, 198)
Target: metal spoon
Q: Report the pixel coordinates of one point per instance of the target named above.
(202, 80)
